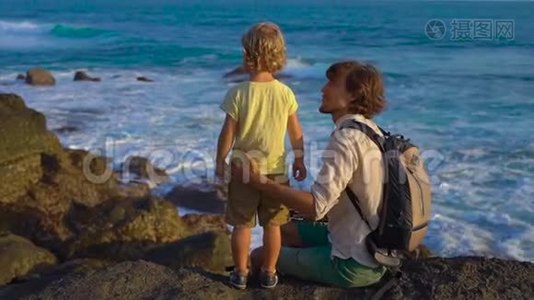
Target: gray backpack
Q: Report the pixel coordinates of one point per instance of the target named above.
(406, 199)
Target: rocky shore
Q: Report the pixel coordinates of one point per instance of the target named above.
(69, 229)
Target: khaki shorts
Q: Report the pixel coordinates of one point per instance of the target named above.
(245, 202)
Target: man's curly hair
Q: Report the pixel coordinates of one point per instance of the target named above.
(364, 82)
(264, 48)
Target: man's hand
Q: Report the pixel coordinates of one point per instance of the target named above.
(246, 170)
(299, 170)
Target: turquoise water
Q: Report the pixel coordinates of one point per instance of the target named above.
(468, 104)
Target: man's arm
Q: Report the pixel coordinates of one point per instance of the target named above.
(224, 144)
(338, 167)
(301, 201)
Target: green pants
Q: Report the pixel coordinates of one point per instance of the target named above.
(314, 262)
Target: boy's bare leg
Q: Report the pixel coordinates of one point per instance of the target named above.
(240, 247)
(290, 238)
(272, 242)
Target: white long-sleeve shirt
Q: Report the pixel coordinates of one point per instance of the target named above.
(351, 158)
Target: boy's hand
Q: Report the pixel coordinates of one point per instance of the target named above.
(221, 171)
(299, 170)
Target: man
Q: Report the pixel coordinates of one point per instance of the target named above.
(335, 252)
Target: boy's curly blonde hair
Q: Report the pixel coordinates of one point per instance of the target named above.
(264, 48)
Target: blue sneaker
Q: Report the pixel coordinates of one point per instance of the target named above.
(238, 280)
(268, 280)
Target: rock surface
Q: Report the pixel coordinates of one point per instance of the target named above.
(38, 76)
(140, 168)
(19, 256)
(123, 229)
(436, 278)
(209, 251)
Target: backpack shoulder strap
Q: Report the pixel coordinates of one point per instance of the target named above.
(371, 134)
(356, 202)
(379, 141)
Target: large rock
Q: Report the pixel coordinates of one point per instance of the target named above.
(124, 229)
(24, 139)
(38, 76)
(464, 278)
(127, 280)
(19, 257)
(443, 278)
(209, 251)
(40, 181)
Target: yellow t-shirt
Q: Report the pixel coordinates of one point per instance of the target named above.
(262, 110)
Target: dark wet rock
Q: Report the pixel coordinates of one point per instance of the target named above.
(209, 251)
(66, 129)
(20, 257)
(144, 79)
(21, 77)
(82, 76)
(444, 278)
(238, 71)
(38, 76)
(239, 74)
(139, 168)
(212, 200)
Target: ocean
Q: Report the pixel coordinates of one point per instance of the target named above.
(462, 92)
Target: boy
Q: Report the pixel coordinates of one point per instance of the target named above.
(258, 113)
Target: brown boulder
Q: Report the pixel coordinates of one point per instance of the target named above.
(38, 76)
(24, 138)
(123, 229)
(40, 181)
(19, 257)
